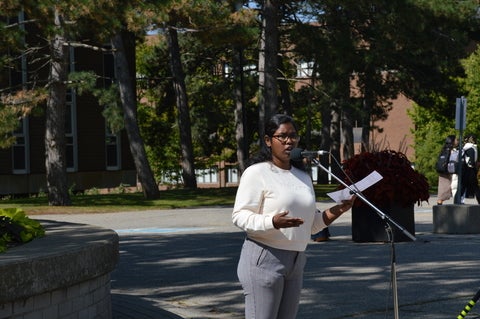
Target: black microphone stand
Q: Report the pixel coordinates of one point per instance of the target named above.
(388, 222)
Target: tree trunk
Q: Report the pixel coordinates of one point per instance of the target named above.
(283, 85)
(347, 134)
(267, 64)
(335, 136)
(55, 144)
(188, 168)
(126, 86)
(325, 144)
(366, 126)
(240, 112)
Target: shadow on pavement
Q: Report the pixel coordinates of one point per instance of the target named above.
(195, 275)
(136, 307)
(181, 271)
(436, 276)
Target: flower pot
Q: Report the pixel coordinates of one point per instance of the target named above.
(367, 226)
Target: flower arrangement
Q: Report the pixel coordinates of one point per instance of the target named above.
(401, 185)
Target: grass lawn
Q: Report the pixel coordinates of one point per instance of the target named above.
(174, 198)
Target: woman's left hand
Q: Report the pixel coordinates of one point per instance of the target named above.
(334, 212)
(347, 204)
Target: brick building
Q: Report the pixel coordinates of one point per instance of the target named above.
(96, 158)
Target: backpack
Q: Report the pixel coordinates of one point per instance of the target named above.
(452, 166)
(442, 161)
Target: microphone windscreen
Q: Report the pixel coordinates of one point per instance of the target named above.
(296, 154)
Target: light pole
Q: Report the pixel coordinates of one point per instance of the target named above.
(460, 124)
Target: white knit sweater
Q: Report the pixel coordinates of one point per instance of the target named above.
(266, 190)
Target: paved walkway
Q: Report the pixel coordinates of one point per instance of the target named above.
(182, 264)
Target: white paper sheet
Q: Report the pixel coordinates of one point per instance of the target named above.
(365, 183)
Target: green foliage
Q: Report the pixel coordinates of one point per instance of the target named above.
(472, 85)
(429, 135)
(112, 112)
(209, 89)
(77, 18)
(82, 82)
(16, 227)
(14, 106)
(86, 82)
(391, 47)
(422, 41)
(95, 203)
(156, 110)
(307, 110)
(161, 135)
(8, 123)
(432, 126)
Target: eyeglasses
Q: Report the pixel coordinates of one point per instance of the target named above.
(283, 138)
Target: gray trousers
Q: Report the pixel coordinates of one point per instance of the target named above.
(271, 279)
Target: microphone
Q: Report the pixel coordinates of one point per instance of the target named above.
(297, 154)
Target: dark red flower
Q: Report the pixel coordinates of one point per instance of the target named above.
(401, 184)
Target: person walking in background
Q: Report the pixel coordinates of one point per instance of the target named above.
(469, 187)
(453, 166)
(275, 206)
(444, 177)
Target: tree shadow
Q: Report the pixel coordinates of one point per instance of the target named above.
(126, 306)
(195, 274)
(183, 271)
(436, 275)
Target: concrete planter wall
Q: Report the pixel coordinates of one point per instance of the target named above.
(65, 274)
(367, 226)
(456, 219)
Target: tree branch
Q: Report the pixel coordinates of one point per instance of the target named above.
(88, 46)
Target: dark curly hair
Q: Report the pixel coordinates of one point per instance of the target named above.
(470, 138)
(265, 153)
(449, 143)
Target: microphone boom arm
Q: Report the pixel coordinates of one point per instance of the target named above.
(382, 215)
(389, 230)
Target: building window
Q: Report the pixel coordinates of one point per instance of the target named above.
(232, 175)
(20, 150)
(250, 69)
(112, 146)
(108, 68)
(71, 152)
(208, 175)
(112, 140)
(305, 70)
(18, 80)
(70, 133)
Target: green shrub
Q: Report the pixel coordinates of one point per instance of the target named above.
(16, 228)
